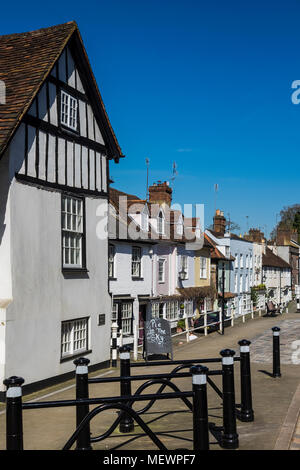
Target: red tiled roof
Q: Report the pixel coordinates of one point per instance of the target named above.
(215, 253)
(272, 260)
(26, 59)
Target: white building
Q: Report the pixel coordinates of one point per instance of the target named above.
(277, 278)
(130, 265)
(55, 143)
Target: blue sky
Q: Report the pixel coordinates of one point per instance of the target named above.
(205, 84)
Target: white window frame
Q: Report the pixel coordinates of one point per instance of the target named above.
(161, 262)
(126, 317)
(236, 261)
(241, 260)
(136, 261)
(74, 337)
(155, 309)
(188, 308)
(241, 283)
(68, 110)
(72, 216)
(172, 310)
(203, 267)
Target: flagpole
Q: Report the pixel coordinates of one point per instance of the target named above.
(147, 189)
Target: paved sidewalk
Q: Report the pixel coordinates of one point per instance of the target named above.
(50, 428)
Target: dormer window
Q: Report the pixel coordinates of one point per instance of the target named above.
(68, 111)
(161, 223)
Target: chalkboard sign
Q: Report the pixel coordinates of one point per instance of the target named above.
(158, 337)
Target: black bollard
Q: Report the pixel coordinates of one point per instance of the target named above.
(200, 410)
(82, 392)
(126, 422)
(14, 422)
(247, 413)
(276, 351)
(230, 438)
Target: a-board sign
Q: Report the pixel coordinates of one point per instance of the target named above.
(158, 337)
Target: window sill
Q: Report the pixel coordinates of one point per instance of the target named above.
(112, 279)
(68, 130)
(74, 270)
(74, 356)
(137, 278)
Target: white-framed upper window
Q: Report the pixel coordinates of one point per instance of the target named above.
(161, 270)
(241, 261)
(236, 261)
(72, 232)
(235, 283)
(74, 337)
(203, 267)
(68, 110)
(161, 223)
(247, 261)
(136, 261)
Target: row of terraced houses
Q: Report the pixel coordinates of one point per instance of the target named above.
(77, 254)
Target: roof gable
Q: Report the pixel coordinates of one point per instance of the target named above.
(26, 59)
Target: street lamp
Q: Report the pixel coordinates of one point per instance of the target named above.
(182, 274)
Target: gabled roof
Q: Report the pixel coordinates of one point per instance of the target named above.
(26, 59)
(271, 260)
(215, 253)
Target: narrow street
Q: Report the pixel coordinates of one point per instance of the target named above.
(50, 429)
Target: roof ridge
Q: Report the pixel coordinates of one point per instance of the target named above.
(37, 31)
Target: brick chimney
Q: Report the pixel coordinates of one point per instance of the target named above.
(255, 235)
(219, 222)
(160, 193)
(285, 234)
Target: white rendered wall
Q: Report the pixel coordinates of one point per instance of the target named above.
(42, 296)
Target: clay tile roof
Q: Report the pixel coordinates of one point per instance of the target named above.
(215, 253)
(272, 260)
(25, 61)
